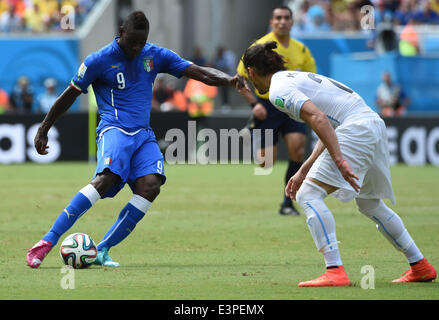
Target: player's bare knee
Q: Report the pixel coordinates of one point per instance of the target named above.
(149, 192)
(296, 145)
(153, 191)
(299, 155)
(148, 187)
(104, 181)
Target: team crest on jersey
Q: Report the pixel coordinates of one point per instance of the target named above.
(279, 102)
(107, 161)
(148, 64)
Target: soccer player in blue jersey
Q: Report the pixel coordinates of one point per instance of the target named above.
(122, 75)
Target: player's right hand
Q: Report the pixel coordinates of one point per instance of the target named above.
(349, 175)
(40, 143)
(259, 111)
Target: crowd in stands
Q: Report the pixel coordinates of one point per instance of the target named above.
(195, 97)
(310, 16)
(346, 15)
(38, 16)
(390, 97)
(23, 99)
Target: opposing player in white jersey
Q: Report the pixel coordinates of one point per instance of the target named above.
(350, 160)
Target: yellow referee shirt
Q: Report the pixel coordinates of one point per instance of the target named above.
(297, 57)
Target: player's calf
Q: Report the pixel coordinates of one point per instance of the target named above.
(320, 221)
(127, 220)
(79, 204)
(391, 227)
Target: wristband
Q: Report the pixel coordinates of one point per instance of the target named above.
(253, 104)
(340, 163)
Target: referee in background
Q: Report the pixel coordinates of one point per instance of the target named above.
(265, 116)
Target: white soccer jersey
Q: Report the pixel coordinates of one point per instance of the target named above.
(290, 89)
(361, 133)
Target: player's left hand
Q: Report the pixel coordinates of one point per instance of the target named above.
(294, 184)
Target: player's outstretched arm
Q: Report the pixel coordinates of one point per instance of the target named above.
(61, 105)
(213, 77)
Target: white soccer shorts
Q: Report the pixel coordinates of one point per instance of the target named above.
(363, 143)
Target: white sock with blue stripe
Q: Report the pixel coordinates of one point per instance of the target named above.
(391, 226)
(320, 221)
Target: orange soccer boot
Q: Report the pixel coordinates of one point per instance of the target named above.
(420, 272)
(333, 277)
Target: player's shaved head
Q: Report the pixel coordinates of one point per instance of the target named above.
(136, 21)
(133, 34)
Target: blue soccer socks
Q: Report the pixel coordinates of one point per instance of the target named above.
(128, 218)
(80, 203)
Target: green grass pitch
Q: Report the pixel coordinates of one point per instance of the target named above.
(213, 234)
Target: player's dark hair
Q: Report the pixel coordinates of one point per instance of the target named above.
(283, 8)
(136, 21)
(263, 58)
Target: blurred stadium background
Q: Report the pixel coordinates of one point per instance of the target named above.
(43, 42)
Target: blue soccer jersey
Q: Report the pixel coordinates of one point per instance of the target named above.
(123, 86)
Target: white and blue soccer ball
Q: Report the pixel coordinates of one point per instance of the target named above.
(78, 250)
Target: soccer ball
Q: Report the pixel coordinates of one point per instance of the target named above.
(78, 250)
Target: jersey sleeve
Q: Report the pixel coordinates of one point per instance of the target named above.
(287, 98)
(172, 63)
(87, 73)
